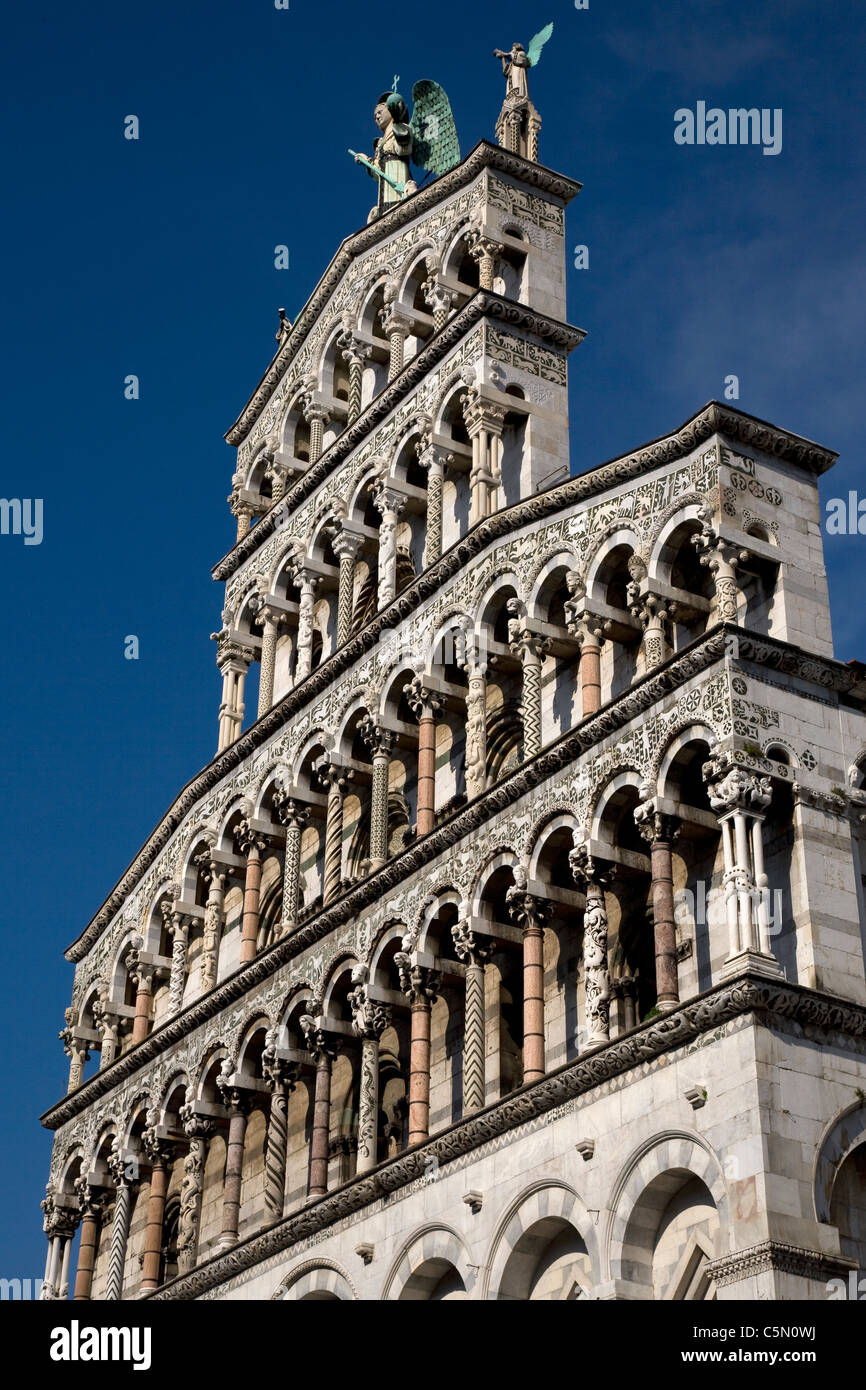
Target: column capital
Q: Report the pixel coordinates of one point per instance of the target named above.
(320, 1042)
(123, 1167)
(388, 498)
(376, 736)
(469, 947)
(352, 348)
(370, 1017)
(156, 1147)
(438, 298)
(291, 813)
(195, 1126)
(280, 1073)
(655, 825)
(527, 909)
(648, 607)
(420, 983)
(480, 413)
(395, 319)
(523, 638)
(92, 1201)
(734, 788)
(345, 542)
(332, 775)
(714, 552)
(424, 702)
(237, 1099)
(231, 653)
(587, 870)
(249, 840)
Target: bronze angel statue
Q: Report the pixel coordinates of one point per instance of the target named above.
(519, 122)
(428, 140)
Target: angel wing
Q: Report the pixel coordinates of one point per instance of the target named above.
(533, 53)
(435, 146)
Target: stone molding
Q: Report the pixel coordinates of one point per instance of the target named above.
(745, 995)
(776, 1256)
(484, 155)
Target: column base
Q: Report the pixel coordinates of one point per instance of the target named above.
(753, 962)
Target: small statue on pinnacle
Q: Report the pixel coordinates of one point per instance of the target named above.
(519, 123)
(428, 140)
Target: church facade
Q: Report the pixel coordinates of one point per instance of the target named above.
(513, 946)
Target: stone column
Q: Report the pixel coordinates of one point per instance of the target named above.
(346, 545)
(593, 878)
(60, 1225)
(530, 914)
(215, 875)
(434, 460)
(439, 301)
(281, 1075)
(335, 779)
(107, 1023)
(484, 251)
(420, 985)
(427, 707)
(740, 798)
(177, 926)
(142, 973)
(355, 354)
(270, 620)
(308, 585)
(76, 1050)
(369, 1021)
(233, 661)
(660, 832)
(238, 1103)
(294, 815)
(390, 505)
(381, 743)
(323, 1050)
(198, 1129)
(473, 951)
(160, 1155)
(277, 473)
(530, 649)
(655, 615)
(252, 845)
(120, 1170)
(722, 560)
(243, 514)
(484, 423)
(92, 1207)
(396, 324)
(317, 417)
(472, 663)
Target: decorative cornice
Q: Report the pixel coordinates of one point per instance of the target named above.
(746, 995)
(484, 304)
(483, 156)
(776, 1256)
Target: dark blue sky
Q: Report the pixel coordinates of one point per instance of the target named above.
(156, 258)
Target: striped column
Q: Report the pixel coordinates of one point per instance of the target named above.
(420, 985)
(120, 1170)
(473, 951)
(281, 1076)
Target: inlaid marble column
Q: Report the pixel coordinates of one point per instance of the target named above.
(655, 615)
(76, 1050)
(660, 831)
(121, 1169)
(316, 415)
(396, 325)
(308, 585)
(485, 251)
(484, 423)
(277, 474)
(473, 951)
(345, 545)
(426, 706)
(270, 619)
(251, 844)
(530, 914)
(471, 660)
(355, 353)
(238, 1103)
(233, 661)
(420, 984)
(389, 503)
(369, 1021)
(91, 1202)
(530, 650)
(294, 815)
(439, 300)
(594, 877)
(243, 514)
(740, 798)
(722, 559)
(323, 1048)
(177, 927)
(142, 973)
(335, 780)
(281, 1076)
(381, 743)
(434, 460)
(107, 1022)
(160, 1154)
(198, 1130)
(214, 875)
